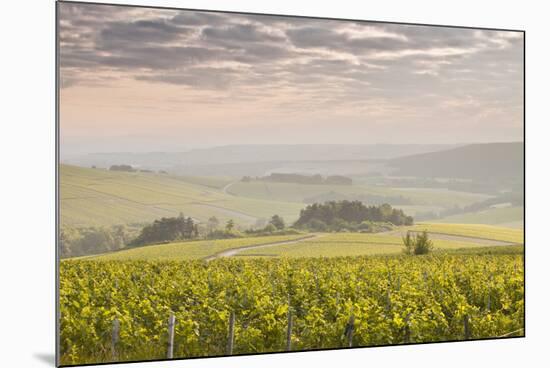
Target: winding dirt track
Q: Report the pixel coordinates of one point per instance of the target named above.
(226, 188)
(470, 239)
(233, 251)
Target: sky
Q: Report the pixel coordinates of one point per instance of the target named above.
(141, 80)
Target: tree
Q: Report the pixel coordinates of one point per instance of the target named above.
(96, 240)
(167, 229)
(417, 244)
(385, 211)
(212, 224)
(408, 242)
(278, 222)
(317, 225)
(423, 244)
(229, 225)
(128, 168)
(269, 228)
(68, 239)
(120, 236)
(260, 223)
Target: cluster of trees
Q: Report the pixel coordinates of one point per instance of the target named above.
(215, 231)
(168, 229)
(302, 179)
(275, 225)
(349, 215)
(127, 168)
(74, 242)
(130, 168)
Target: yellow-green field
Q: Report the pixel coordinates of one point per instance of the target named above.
(428, 198)
(216, 182)
(322, 244)
(92, 197)
(352, 244)
(508, 217)
(187, 250)
(99, 197)
(474, 230)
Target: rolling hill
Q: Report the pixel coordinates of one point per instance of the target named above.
(506, 217)
(255, 153)
(483, 162)
(92, 197)
(97, 197)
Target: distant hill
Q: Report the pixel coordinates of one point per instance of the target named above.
(482, 162)
(99, 197)
(254, 153)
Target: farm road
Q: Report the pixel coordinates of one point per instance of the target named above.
(226, 188)
(234, 251)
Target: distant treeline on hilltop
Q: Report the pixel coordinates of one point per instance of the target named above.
(302, 179)
(127, 168)
(130, 168)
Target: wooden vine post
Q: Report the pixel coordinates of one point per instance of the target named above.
(348, 332)
(171, 327)
(114, 338)
(289, 330)
(231, 334)
(467, 332)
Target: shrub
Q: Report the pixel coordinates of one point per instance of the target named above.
(277, 221)
(417, 244)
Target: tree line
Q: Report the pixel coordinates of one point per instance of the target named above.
(74, 242)
(302, 179)
(329, 216)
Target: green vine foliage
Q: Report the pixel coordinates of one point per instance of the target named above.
(393, 300)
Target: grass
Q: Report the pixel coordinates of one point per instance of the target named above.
(430, 199)
(350, 244)
(440, 197)
(474, 230)
(96, 197)
(493, 216)
(216, 182)
(186, 250)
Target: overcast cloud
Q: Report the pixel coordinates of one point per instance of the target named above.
(240, 78)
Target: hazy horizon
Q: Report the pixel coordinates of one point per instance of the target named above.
(150, 80)
(189, 148)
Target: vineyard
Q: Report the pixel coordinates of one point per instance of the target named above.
(120, 310)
